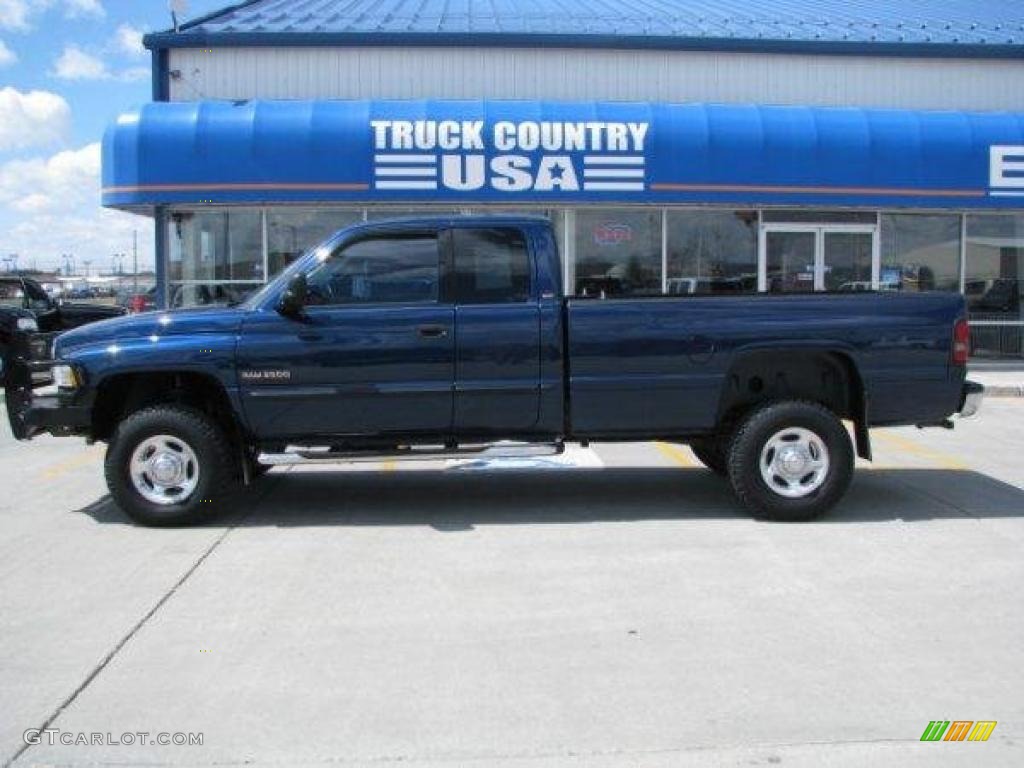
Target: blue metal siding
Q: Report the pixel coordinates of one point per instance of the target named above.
(323, 151)
(911, 27)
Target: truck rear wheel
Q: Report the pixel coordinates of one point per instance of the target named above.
(791, 461)
(169, 465)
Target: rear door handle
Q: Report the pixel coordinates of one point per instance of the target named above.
(311, 336)
(432, 331)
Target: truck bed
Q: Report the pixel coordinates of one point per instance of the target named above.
(660, 365)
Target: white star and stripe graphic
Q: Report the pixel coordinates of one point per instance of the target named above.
(405, 171)
(613, 173)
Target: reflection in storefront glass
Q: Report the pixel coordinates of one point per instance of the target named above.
(994, 283)
(712, 252)
(215, 257)
(920, 253)
(291, 231)
(618, 252)
(216, 246)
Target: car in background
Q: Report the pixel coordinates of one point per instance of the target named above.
(135, 302)
(26, 307)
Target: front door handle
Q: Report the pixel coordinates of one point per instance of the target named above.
(432, 331)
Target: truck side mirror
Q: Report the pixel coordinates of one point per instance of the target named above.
(294, 297)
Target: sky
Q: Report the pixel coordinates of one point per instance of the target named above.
(67, 68)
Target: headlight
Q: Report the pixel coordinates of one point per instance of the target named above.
(28, 324)
(65, 377)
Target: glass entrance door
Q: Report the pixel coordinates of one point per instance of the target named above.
(847, 260)
(791, 257)
(797, 258)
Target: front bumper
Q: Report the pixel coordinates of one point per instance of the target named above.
(31, 366)
(971, 399)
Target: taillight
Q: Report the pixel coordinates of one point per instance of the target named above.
(961, 342)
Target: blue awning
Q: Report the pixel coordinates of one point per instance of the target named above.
(517, 152)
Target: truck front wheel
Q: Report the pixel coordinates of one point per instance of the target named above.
(169, 465)
(791, 461)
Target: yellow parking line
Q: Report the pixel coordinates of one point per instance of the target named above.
(944, 460)
(74, 462)
(676, 454)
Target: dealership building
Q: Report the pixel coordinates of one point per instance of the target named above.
(678, 147)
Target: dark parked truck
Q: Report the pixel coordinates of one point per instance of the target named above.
(447, 336)
(27, 309)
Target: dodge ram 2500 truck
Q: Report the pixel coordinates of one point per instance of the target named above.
(442, 337)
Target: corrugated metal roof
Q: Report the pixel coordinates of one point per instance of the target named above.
(946, 26)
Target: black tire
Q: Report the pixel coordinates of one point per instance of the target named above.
(713, 454)
(822, 488)
(214, 467)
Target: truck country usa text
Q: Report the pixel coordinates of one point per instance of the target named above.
(459, 155)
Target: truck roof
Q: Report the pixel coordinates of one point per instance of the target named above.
(451, 220)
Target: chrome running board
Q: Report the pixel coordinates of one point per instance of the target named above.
(503, 450)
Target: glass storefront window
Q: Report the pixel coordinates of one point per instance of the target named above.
(920, 252)
(292, 231)
(215, 257)
(712, 252)
(618, 252)
(994, 283)
(216, 246)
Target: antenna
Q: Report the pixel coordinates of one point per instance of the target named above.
(177, 8)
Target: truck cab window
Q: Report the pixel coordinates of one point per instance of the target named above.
(491, 266)
(383, 270)
(11, 294)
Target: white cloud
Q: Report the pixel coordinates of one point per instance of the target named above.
(14, 14)
(32, 119)
(7, 56)
(51, 205)
(76, 64)
(76, 8)
(128, 40)
(62, 178)
(134, 74)
(18, 14)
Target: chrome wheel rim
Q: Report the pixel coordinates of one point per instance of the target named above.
(794, 462)
(164, 470)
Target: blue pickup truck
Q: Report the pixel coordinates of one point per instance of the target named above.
(446, 336)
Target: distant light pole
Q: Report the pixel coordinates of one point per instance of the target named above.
(87, 262)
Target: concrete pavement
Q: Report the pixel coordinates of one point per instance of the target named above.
(612, 608)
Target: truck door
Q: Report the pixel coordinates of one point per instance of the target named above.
(497, 333)
(372, 353)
